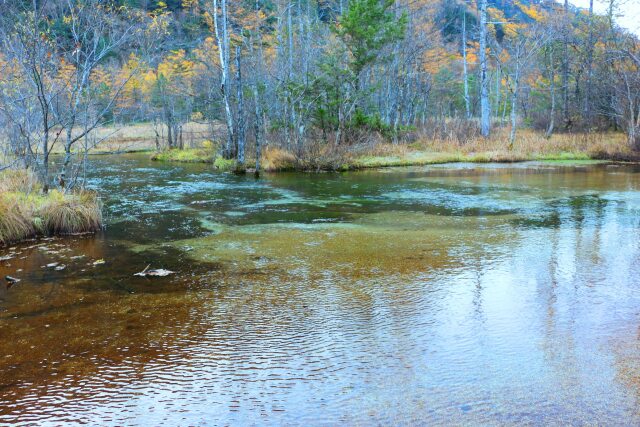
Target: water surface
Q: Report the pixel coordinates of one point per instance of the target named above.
(494, 294)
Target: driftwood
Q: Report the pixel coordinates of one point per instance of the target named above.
(154, 273)
(11, 281)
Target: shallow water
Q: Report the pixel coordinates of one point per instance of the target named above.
(455, 294)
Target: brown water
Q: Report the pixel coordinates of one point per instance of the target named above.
(458, 294)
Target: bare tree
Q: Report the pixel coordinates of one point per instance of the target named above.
(95, 31)
(222, 37)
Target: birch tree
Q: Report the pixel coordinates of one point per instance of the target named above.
(220, 20)
(485, 108)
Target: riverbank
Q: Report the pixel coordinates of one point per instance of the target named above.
(26, 212)
(419, 149)
(530, 146)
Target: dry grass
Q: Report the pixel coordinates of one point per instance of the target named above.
(15, 224)
(27, 212)
(531, 145)
(277, 159)
(439, 147)
(139, 137)
(70, 214)
(19, 180)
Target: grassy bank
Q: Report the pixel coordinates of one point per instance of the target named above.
(422, 148)
(273, 158)
(530, 146)
(26, 212)
(188, 155)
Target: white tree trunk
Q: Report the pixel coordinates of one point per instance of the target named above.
(485, 108)
(222, 38)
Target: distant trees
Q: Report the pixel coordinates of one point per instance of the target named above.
(54, 88)
(87, 32)
(311, 76)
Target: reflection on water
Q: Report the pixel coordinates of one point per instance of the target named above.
(449, 294)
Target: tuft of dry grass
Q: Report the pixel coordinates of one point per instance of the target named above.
(69, 214)
(19, 180)
(15, 225)
(278, 159)
(27, 212)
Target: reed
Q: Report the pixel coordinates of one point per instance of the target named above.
(25, 211)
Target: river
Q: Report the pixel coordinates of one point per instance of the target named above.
(451, 294)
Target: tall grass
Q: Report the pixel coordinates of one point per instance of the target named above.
(529, 145)
(69, 214)
(26, 212)
(278, 159)
(15, 225)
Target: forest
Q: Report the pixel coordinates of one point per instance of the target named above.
(314, 79)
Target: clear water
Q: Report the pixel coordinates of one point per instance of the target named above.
(455, 294)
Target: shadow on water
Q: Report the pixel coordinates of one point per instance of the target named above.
(461, 294)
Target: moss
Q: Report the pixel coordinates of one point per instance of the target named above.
(564, 156)
(188, 155)
(420, 158)
(409, 159)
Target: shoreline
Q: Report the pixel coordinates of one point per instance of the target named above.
(421, 158)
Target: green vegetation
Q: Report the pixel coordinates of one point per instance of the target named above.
(224, 164)
(25, 211)
(188, 155)
(530, 146)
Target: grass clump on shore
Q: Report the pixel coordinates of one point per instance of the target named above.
(187, 155)
(276, 159)
(25, 211)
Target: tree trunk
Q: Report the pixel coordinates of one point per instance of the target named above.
(552, 89)
(257, 126)
(45, 163)
(66, 160)
(485, 120)
(590, 47)
(223, 50)
(565, 69)
(241, 117)
(464, 64)
(514, 105)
